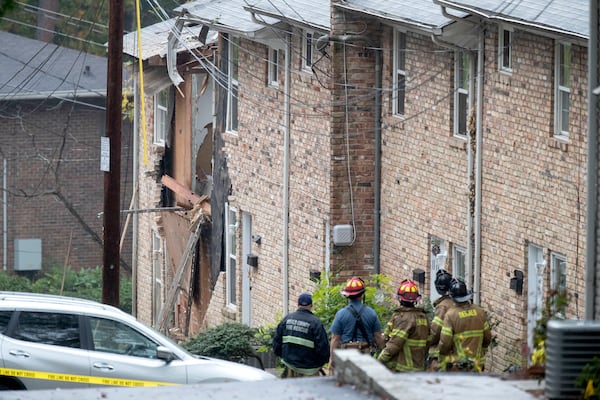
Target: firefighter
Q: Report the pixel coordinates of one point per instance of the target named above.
(406, 333)
(301, 341)
(465, 333)
(442, 285)
(355, 326)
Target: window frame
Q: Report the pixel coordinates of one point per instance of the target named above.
(505, 49)
(233, 44)
(273, 67)
(558, 272)
(459, 256)
(308, 38)
(558, 281)
(161, 116)
(463, 75)
(562, 88)
(399, 78)
(231, 263)
(157, 282)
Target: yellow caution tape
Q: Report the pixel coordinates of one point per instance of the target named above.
(92, 380)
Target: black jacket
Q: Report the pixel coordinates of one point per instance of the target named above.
(301, 341)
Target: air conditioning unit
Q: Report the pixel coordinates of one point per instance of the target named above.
(570, 345)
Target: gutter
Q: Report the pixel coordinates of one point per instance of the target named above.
(378, 15)
(511, 20)
(321, 43)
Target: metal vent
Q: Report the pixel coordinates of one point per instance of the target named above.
(570, 345)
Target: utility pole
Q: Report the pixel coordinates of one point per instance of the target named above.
(112, 177)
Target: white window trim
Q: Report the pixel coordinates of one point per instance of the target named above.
(157, 279)
(160, 132)
(503, 49)
(557, 262)
(232, 86)
(457, 252)
(308, 49)
(273, 69)
(461, 91)
(230, 270)
(559, 90)
(398, 72)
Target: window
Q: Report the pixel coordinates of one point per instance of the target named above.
(437, 261)
(458, 262)
(558, 273)
(233, 46)
(110, 336)
(48, 328)
(161, 116)
(504, 49)
(558, 282)
(462, 92)
(231, 226)
(562, 83)
(308, 39)
(273, 69)
(4, 320)
(399, 93)
(157, 287)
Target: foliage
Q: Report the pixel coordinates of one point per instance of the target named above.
(554, 308)
(229, 341)
(589, 380)
(327, 300)
(80, 25)
(6, 5)
(85, 283)
(263, 337)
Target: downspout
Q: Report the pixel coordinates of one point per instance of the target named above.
(478, 166)
(4, 217)
(136, 206)
(321, 43)
(377, 189)
(286, 177)
(285, 209)
(591, 253)
(471, 181)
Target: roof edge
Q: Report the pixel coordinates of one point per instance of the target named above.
(515, 21)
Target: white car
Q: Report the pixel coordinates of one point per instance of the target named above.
(49, 342)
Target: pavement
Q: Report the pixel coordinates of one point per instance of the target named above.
(357, 377)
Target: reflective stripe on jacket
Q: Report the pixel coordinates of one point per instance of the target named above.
(406, 337)
(465, 335)
(301, 341)
(441, 305)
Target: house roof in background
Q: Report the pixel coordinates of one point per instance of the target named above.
(309, 13)
(32, 69)
(561, 16)
(154, 39)
(420, 14)
(225, 15)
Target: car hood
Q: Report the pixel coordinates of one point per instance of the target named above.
(224, 371)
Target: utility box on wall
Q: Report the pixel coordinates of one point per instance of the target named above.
(343, 235)
(28, 254)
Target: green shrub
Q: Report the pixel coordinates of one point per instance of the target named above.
(230, 341)
(589, 380)
(327, 300)
(85, 283)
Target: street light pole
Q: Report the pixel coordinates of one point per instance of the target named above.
(112, 177)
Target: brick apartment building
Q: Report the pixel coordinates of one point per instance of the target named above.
(52, 102)
(387, 137)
